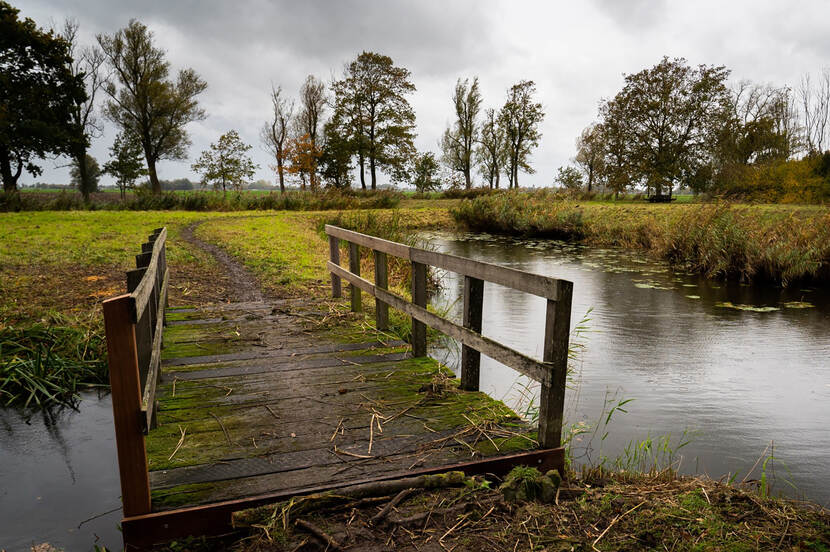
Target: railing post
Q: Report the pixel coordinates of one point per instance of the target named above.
(354, 268)
(419, 297)
(126, 406)
(381, 281)
(334, 254)
(470, 358)
(552, 400)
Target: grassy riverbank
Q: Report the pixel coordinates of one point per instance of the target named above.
(55, 269)
(773, 242)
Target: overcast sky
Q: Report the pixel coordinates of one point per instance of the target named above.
(576, 52)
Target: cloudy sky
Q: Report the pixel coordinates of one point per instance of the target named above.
(576, 52)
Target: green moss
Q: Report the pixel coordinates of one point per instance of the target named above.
(174, 497)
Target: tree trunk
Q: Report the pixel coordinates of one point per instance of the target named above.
(154, 179)
(83, 173)
(590, 178)
(9, 179)
(468, 182)
(282, 176)
(372, 171)
(362, 162)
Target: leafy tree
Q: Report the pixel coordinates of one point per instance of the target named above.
(490, 151)
(275, 133)
(86, 65)
(37, 96)
(425, 173)
(312, 106)
(302, 156)
(569, 178)
(371, 99)
(668, 117)
(86, 177)
(520, 118)
(147, 104)
(458, 141)
(125, 163)
(590, 153)
(226, 163)
(336, 156)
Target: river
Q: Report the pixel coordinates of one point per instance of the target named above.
(59, 478)
(730, 368)
(682, 347)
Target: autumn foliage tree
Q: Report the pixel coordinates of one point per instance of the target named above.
(275, 133)
(303, 156)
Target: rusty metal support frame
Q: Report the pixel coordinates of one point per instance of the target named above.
(144, 531)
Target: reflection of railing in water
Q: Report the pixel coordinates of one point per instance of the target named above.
(551, 371)
(134, 331)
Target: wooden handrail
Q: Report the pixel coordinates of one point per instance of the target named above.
(551, 371)
(134, 327)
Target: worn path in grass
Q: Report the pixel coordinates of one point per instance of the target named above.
(272, 395)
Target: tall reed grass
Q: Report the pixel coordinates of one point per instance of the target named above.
(779, 243)
(46, 364)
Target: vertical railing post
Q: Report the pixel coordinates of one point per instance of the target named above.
(126, 406)
(552, 400)
(382, 282)
(334, 255)
(419, 297)
(354, 268)
(473, 306)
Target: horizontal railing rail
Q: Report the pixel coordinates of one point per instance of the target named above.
(134, 327)
(550, 371)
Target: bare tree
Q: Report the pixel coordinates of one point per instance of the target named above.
(490, 150)
(815, 105)
(458, 140)
(86, 65)
(275, 132)
(312, 106)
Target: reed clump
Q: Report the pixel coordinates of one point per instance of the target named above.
(48, 363)
(723, 240)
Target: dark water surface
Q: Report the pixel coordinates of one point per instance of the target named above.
(57, 471)
(684, 348)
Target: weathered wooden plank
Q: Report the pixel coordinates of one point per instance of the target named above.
(552, 400)
(126, 404)
(473, 309)
(293, 364)
(419, 298)
(334, 254)
(534, 369)
(510, 277)
(377, 244)
(381, 281)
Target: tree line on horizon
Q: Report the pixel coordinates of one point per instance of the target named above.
(671, 125)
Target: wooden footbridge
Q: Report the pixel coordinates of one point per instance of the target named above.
(230, 406)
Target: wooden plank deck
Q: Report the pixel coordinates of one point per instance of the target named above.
(255, 400)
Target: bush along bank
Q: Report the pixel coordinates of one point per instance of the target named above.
(746, 242)
(203, 201)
